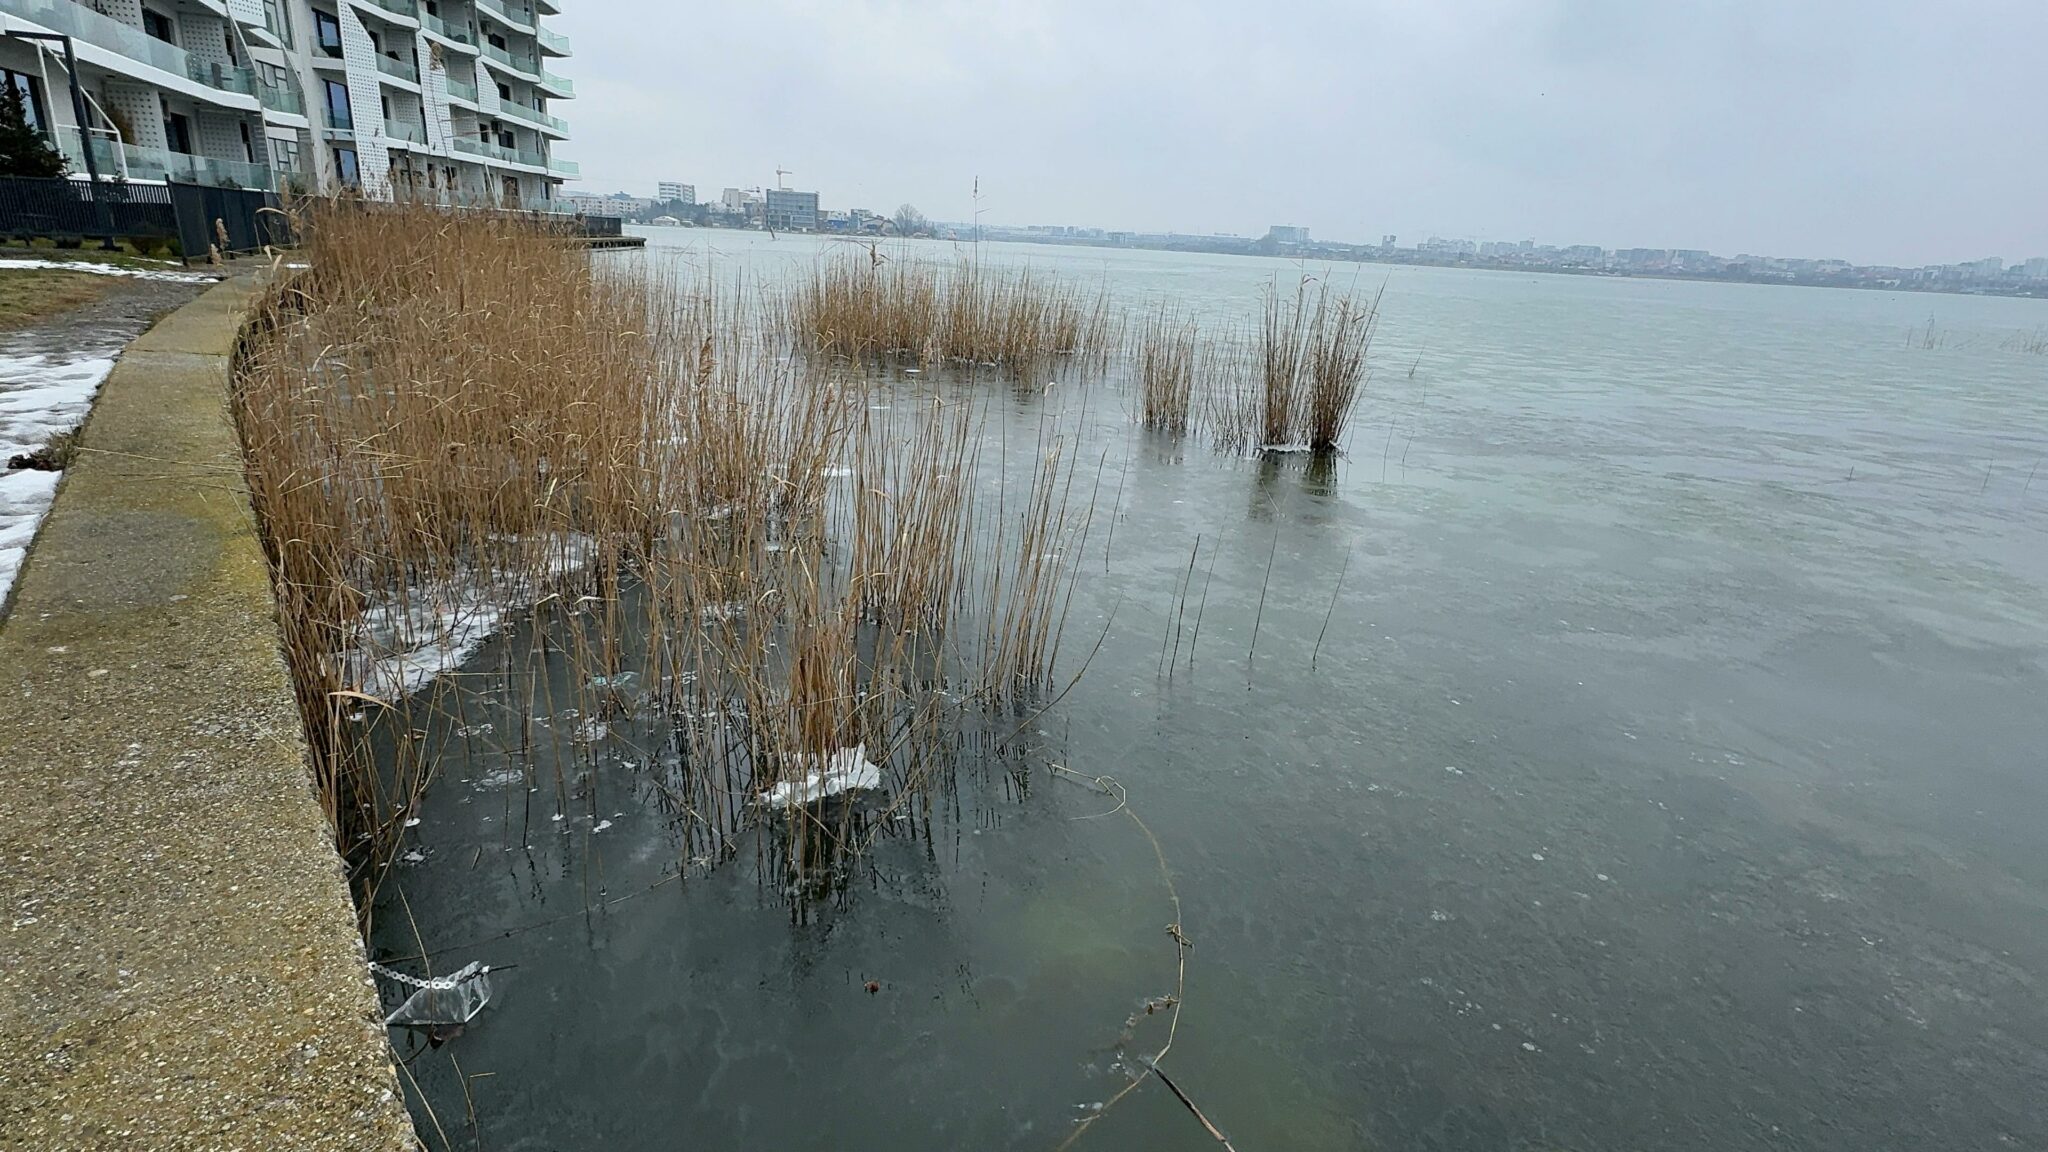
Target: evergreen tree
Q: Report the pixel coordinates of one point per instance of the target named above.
(23, 150)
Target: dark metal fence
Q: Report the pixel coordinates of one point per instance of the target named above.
(150, 215)
(68, 209)
(596, 226)
(232, 218)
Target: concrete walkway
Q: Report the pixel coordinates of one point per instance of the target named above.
(179, 966)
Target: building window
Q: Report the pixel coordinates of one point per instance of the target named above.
(31, 90)
(248, 144)
(159, 26)
(178, 132)
(284, 154)
(327, 32)
(345, 166)
(278, 19)
(337, 105)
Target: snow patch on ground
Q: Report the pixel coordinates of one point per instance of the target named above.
(846, 770)
(41, 398)
(24, 500)
(28, 265)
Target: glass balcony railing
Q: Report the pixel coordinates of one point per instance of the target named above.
(526, 66)
(461, 89)
(106, 154)
(400, 130)
(533, 116)
(565, 167)
(560, 85)
(158, 164)
(485, 148)
(403, 69)
(553, 43)
(459, 33)
(75, 19)
(516, 15)
(281, 98)
(226, 79)
(409, 9)
(137, 163)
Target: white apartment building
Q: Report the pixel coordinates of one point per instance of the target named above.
(444, 99)
(168, 88)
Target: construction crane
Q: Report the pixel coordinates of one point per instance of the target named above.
(779, 174)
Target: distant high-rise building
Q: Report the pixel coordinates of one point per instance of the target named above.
(735, 199)
(1387, 241)
(668, 190)
(792, 211)
(2037, 268)
(1287, 234)
(616, 204)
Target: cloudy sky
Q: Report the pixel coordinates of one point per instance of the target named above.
(1870, 130)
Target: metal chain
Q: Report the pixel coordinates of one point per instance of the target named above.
(444, 983)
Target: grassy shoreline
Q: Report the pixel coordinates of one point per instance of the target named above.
(32, 294)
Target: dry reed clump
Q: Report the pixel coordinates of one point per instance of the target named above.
(964, 313)
(457, 423)
(1312, 350)
(1166, 364)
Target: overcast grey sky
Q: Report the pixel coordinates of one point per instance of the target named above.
(1870, 130)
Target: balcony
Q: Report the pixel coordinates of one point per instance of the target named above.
(138, 163)
(77, 20)
(281, 98)
(158, 164)
(454, 33)
(564, 167)
(402, 69)
(461, 89)
(240, 80)
(557, 86)
(552, 43)
(401, 130)
(525, 67)
(516, 16)
(535, 117)
(404, 9)
(485, 148)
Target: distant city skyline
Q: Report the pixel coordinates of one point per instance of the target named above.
(2035, 266)
(1854, 129)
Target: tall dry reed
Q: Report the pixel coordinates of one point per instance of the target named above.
(1166, 364)
(459, 424)
(868, 305)
(1311, 363)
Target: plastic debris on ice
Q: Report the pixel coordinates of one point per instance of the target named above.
(846, 770)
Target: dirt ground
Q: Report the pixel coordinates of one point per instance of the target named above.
(65, 312)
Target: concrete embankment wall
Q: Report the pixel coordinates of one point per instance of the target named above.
(179, 966)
